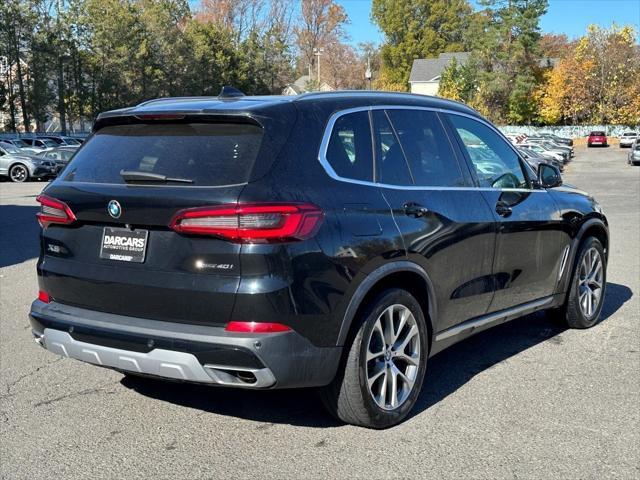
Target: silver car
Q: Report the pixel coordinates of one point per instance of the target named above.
(20, 166)
(634, 154)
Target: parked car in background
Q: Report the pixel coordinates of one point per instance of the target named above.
(40, 144)
(597, 138)
(534, 159)
(516, 138)
(60, 155)
(556, 139)
(634, 154)
(556, 154)
(225, 247)
(19, 143)
(71, 141)
(627, 139)
(62, 141)
(20, 166)
(53, 138)
(551, 145)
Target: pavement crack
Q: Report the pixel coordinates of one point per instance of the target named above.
(27, 375)
(88, 391)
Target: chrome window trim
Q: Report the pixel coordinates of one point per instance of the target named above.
(326, 136)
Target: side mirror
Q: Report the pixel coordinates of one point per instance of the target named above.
(549, 176)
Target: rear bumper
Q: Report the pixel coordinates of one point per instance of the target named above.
(191, 353)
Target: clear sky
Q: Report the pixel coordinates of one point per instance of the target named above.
(570, 17)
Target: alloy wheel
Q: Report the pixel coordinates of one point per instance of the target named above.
(590, 279)
(393, 357)
(18, 173)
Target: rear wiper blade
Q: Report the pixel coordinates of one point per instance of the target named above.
(133, 176)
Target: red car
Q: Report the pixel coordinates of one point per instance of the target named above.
(597, 138)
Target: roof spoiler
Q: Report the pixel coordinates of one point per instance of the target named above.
(230, 92)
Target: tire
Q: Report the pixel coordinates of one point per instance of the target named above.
(578, 311)
(349, 397)
(18, 173)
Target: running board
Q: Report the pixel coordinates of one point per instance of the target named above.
(466, 329)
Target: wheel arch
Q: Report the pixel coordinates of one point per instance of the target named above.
(594, 227)
(19, 162)
(400, 274)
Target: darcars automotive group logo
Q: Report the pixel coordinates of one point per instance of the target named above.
(114, 209)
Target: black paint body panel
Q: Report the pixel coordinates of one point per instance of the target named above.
(476, 262)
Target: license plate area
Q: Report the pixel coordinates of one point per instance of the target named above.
(124, 245)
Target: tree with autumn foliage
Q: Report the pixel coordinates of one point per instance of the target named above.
(597, 82)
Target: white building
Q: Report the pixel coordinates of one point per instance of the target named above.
(302, 84)
(426, 72)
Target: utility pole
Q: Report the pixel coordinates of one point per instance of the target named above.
(318, 52)
(367, 73)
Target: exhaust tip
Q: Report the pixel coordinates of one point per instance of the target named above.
(39, 339)
(240, 377)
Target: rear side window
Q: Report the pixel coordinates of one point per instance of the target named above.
(349, 150)
(427, 148)
(209, 154)
(390, 159)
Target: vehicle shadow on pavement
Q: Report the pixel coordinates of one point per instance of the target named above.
(454, 367)
(446, 373)
(299, 407)
(19, 234)
(615, 296)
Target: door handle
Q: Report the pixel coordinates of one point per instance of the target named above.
(414, 210)
(503, 209)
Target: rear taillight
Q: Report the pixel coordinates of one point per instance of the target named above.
(44, 296)
(53, 211)
(255, 223)
(256, 327)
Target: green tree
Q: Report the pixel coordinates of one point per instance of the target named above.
(505, 39)
(16, 20)
(418, 29)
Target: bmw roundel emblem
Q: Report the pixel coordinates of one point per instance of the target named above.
(114, 209)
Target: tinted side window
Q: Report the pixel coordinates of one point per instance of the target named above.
(390, 160)
(495, 163)
(349, 151)
(427, 148)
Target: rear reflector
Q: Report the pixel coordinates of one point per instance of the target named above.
(255, 223)
(256, 327)
(44, 296)
(53, 211)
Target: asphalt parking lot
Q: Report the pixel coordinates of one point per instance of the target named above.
(524, 400)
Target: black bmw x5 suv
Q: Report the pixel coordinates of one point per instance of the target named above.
(327, 240)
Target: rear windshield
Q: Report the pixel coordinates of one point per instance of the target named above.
(208, 154)
(597, 134)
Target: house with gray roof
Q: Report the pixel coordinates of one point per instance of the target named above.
(426, 72)
(302, 84)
